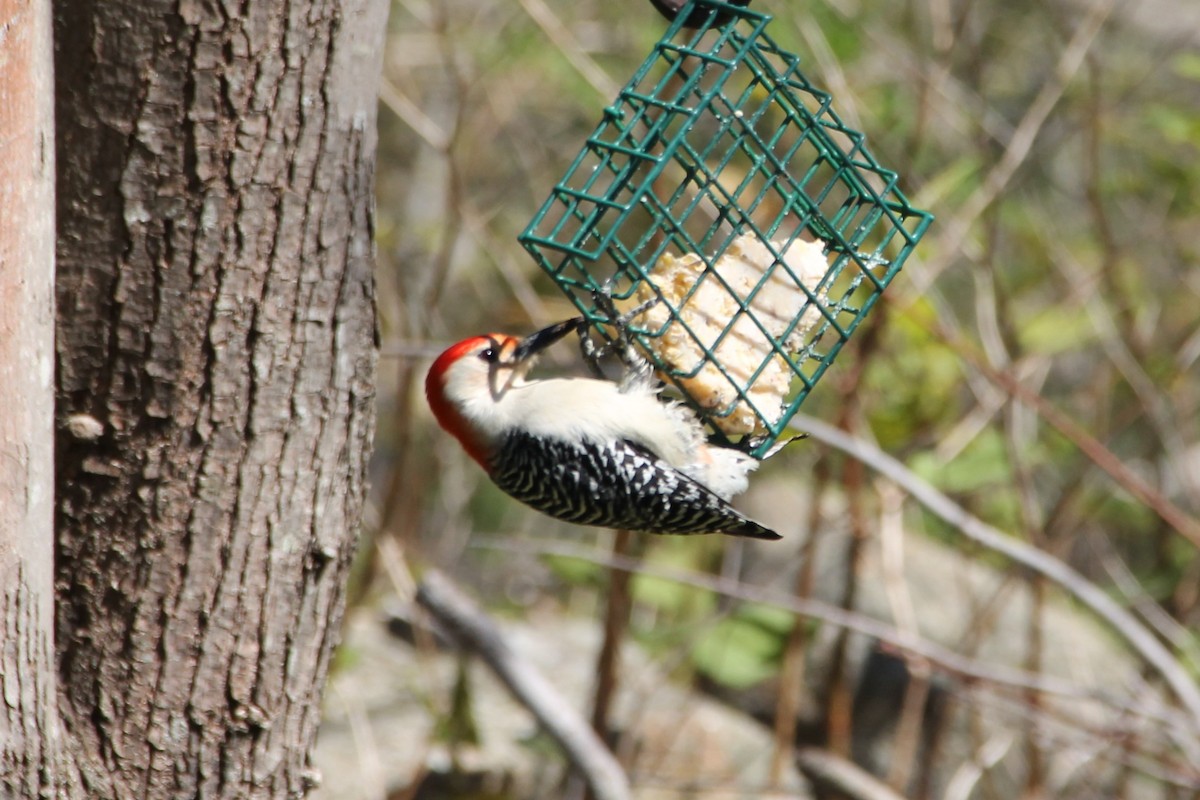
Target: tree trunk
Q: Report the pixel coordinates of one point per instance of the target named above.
(29, 732)
(216, 353)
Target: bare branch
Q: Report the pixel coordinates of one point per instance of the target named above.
(956, 230)
(948, 663)
(1104, 458)
(1142, 640)
(843, 776)
(616, 623)
(478, 633)
(562, 38)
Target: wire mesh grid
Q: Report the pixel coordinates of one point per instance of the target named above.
(722, 195)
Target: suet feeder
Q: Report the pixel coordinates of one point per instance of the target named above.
(723, 196)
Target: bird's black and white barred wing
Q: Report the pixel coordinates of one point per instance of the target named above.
(614, 485)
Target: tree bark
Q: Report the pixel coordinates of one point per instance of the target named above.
(29, 734)
(216, 360)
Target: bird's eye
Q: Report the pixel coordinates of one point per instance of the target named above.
(489, 355)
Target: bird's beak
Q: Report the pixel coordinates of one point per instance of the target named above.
(538, 341)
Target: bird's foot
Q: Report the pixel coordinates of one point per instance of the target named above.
(637, 369)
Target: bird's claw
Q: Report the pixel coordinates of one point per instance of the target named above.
(623, 346)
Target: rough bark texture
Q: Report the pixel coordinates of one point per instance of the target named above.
(29, 733)
(216, 361)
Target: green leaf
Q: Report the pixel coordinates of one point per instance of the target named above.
(955, 181)
(574, 571)
(677, 600)
(984, 463)
(1057, 330)
(1187, 65)
(770, 618)
(660, 593)
(458, 727)
(738, 653)
(1177, 124)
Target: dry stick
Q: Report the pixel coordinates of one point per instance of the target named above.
(577, 56)
(1187, 525)
(616, 620)
(1118, 346)
(405, 483)
(955, 230)
(839, 705)
(1032, 520)
(843, 776)
(975, 529)
(1170, 513)
(792, 670)
(909, 732)
(1033, 524)
(967, 670)
(476, 632)
(839, 700)
(407, 110)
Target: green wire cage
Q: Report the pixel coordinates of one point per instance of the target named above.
(737, 226)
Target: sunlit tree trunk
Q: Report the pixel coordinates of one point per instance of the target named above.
(30, 746)
(216, 358)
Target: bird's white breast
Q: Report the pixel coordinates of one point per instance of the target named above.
(601, 411)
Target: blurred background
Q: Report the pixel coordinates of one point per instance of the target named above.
(1034, 367)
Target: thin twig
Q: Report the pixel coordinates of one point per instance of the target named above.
(1169, 512)
(962, 784)
(839, 701)
(843, 776)
(616, 620)
(1155, 615)
(1179, 519)
(407, 480)
(476, 631)
(956, 230)
(1117, 345)
(907, 738)
(562, 38)
(948, 662)
(403, 106)
(1142, 641)
(792, 669)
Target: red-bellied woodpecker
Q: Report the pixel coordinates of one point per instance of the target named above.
(584, 450)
